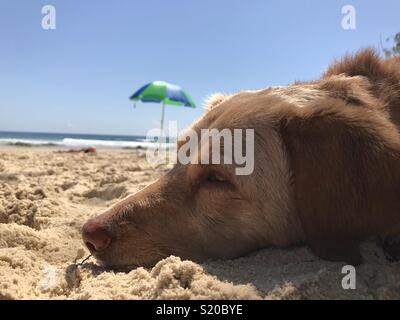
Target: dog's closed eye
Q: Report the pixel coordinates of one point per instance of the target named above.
(216, 177)
(215, 180)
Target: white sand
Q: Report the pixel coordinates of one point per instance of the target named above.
(45, 198)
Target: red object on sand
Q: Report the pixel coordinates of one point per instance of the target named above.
(90, 150)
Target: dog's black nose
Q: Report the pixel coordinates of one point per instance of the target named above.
(95, 236)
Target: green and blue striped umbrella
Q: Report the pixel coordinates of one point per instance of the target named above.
(164, 92)
(161, 91)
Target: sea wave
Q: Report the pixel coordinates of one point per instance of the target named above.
(27, 142)
(73, 143)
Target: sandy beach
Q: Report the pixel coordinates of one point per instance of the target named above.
(45, 197)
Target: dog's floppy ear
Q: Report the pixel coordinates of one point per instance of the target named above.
(345, 164)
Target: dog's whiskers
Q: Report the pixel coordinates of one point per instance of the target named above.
(84, 260)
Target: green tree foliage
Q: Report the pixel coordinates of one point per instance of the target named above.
(395, 50)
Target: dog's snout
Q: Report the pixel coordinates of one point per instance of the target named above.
(96, 236)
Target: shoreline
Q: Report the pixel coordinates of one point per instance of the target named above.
(76, 140)
(55, 149)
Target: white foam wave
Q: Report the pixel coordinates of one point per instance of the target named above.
(73, 143)
(11, 141)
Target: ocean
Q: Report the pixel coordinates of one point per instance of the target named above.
(74, 140)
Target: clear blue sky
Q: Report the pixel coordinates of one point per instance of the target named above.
(78, 77)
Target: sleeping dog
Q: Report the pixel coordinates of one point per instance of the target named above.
(326, 174)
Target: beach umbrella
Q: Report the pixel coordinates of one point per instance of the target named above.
(165, 93)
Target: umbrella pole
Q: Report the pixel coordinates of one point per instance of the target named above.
(162, 123)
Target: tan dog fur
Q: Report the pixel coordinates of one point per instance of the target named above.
(327, 174)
